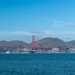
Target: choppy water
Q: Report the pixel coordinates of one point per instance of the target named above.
(37, 64)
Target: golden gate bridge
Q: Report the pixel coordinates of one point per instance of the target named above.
(32, 46)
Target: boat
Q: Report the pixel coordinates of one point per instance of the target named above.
(7, 52)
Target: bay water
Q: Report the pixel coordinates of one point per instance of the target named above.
(37, 64)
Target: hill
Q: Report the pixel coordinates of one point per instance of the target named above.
(71, 43)
(50, 43)
(11, 45)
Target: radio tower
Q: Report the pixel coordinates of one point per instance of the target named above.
(33, 42)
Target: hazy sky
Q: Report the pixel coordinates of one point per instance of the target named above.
(20, 19)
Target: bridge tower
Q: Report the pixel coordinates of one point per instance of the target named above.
(33, 42)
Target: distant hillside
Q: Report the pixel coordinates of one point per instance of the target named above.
(50, 43)
(72, 43)
(13, 43)
(5, 45)
(18, 43)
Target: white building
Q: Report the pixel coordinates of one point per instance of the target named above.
(55, 50)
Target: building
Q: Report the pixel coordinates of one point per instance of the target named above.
(55, 50)
(72, 50)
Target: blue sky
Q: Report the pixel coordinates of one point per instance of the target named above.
(20, 19)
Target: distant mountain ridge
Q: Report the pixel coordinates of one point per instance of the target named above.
(72, 43)
(14, 43)
(45, 42)
(48, 42)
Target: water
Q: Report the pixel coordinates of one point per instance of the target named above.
(37, 64)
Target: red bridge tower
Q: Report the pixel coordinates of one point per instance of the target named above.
(33, 42)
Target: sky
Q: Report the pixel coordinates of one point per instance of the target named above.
(20, 19)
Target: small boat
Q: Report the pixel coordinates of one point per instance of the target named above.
(7, 52)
